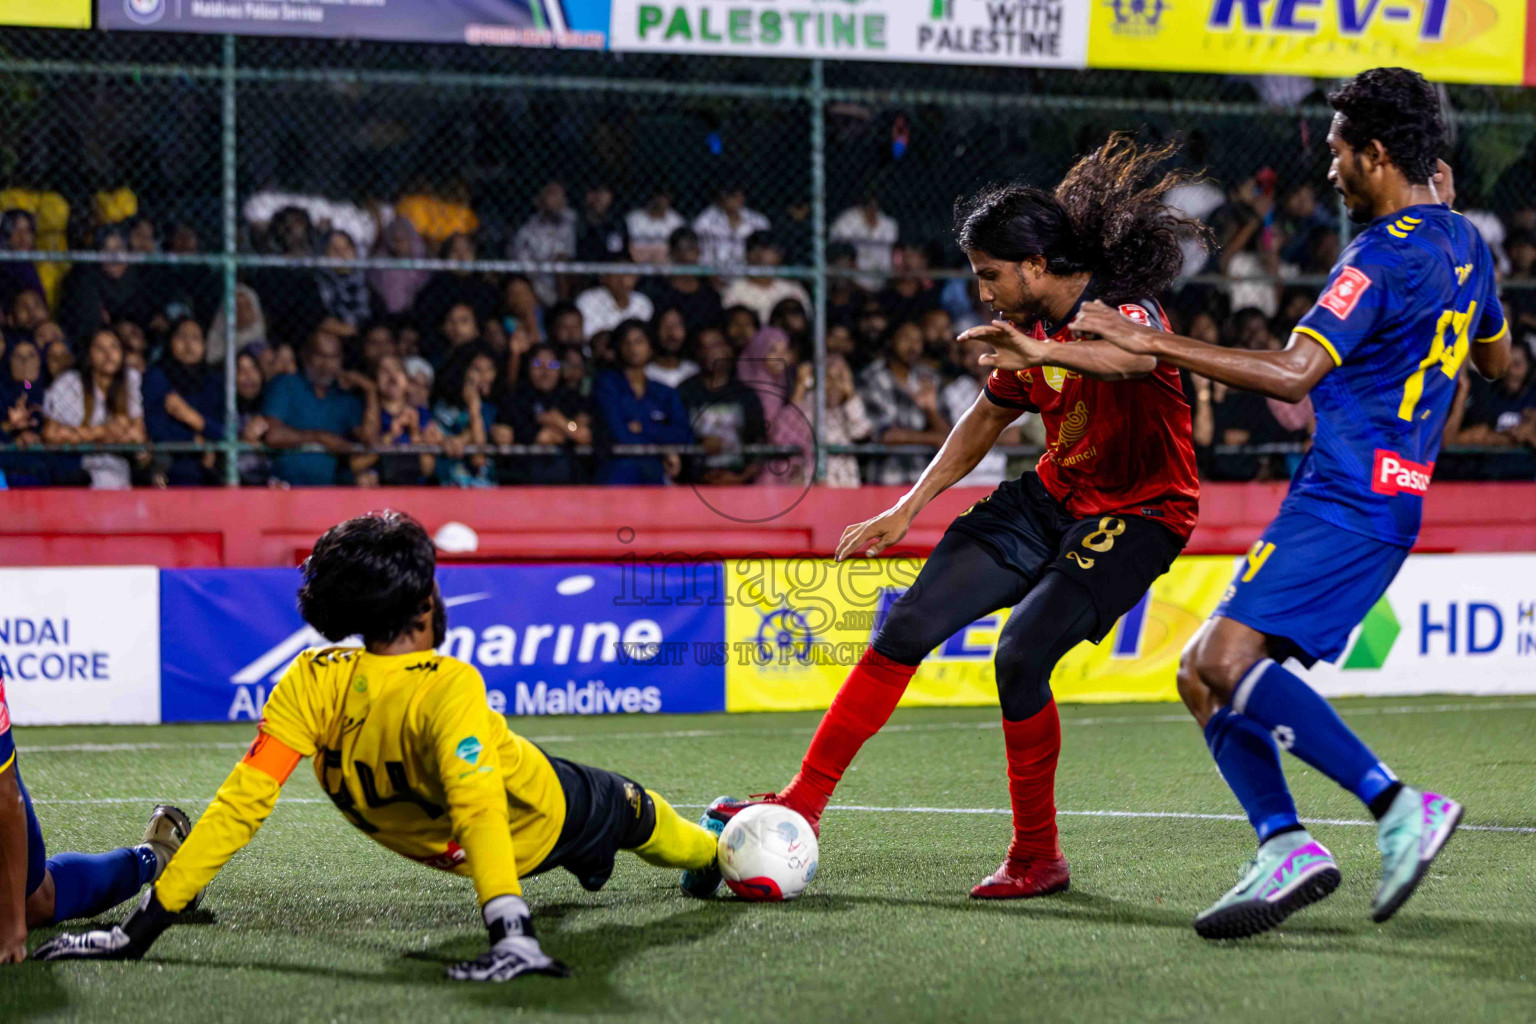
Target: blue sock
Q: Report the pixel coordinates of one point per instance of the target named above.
(1304, 723)
(85, 884)
(1250, 762)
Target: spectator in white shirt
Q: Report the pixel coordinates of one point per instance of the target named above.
(613, 301)
(99, 404)
(549, 235)
(651, 226)
(325, 214)
(724, 227)
(761, 294)
(872, 233)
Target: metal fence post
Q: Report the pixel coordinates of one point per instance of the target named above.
(819, 254)
(231, 410)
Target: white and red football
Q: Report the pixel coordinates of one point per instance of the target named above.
(768, 854)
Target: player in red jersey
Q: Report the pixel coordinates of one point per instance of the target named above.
(1070, 547)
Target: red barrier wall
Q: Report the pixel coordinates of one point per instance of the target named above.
(213, 527)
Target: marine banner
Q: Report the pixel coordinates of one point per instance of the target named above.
(1446, 40)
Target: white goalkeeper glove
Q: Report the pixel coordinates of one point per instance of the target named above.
(514, 949)
(127, 941)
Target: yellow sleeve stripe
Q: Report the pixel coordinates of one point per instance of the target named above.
(8, 761)
(1333, 352)
(1500, 336)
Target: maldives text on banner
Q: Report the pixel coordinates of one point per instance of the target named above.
(1033, 33)
(81, 646)
(46, 13)
(549, 639)
(576, 24)
(1446, 40)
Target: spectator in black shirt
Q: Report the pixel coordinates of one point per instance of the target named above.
(908, 298)
(542, 410)
(447, 288)
(1496, 414)
(726, 413)
(602, 236)
(694, 297)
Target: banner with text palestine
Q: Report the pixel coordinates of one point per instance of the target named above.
(1032, 33)
(574, 24)
(1445, 40)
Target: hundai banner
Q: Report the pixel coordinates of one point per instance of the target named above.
(1032, 33)
(549, 639)
(578, 24)
(80, 646)
(1445, 40)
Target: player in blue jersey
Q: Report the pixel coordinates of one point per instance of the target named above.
(1410, 299)
(38, 890)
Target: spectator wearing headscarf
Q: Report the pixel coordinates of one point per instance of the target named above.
(767, 365)
(98, 294)
(397, 289)
(18, 233)
(250, 326)
(184, 401)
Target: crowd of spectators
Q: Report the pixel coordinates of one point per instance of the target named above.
(330, 359)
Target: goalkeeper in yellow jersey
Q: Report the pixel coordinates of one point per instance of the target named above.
(404, 743)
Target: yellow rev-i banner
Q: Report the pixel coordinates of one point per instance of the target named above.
(791, 643)
(46, 13)
(1445, 40)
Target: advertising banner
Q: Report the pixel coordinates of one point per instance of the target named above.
(80, 646)
(801, 627)
(1032, 33)
(1448, 624)
(581, 24)
(46, 13)
(1446, 40)
(549, 639)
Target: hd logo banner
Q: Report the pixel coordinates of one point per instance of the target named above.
(1446, 40)
(1033, 33)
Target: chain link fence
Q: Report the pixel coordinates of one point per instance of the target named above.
(162, 172)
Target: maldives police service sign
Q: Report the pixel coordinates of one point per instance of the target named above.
(80, 646)
(549, 639)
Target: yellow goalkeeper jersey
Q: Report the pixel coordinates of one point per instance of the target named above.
(409, 751)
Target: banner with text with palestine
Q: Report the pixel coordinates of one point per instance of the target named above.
(575, 24)
(1445, 40)
(1025, 33)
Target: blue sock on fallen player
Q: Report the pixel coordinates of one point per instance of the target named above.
(85, 884)
(1250, 762)
(1289, 708)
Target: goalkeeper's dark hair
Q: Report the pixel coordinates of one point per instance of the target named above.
(371, 576)
(1399, 109)
(1107, 217)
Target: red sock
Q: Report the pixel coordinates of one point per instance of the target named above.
(1033, 746)
(861, 707)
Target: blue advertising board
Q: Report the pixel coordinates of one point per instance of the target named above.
(577, 24)
(549, 639)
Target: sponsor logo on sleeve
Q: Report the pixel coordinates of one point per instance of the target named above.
(1344, 295)
(468, 749)
(1394, 475)
(1131, 311)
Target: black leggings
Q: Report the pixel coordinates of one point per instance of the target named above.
(962, 581)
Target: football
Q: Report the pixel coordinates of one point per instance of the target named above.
(768, 854)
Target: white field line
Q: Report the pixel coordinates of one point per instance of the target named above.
(1177, 815)
(688, 734)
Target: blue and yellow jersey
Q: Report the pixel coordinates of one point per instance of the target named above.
(409, 751)
(1407, 300)
(7, 741)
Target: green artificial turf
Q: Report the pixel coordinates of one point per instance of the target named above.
(313, 922)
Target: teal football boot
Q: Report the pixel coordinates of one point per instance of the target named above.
(1289, 872)
(1412, 833)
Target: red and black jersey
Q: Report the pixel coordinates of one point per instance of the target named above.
(1112, 447)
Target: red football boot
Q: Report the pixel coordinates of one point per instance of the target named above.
(1025, 879)
(724, 808)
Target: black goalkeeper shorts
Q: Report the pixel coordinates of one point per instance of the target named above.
(1115, 558)
(604, 813)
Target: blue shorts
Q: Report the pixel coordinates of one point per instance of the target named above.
(1307, 584)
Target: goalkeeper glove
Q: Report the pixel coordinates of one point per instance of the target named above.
(127, 941)
(514, 949)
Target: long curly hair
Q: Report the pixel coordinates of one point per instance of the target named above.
(1107, 217)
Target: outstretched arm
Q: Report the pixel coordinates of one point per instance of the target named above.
(1100, 360)
(1287, 375)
